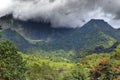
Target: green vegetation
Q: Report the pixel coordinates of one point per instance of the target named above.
(15, 65)
(12, 67)
(93, 34)
(88, 53)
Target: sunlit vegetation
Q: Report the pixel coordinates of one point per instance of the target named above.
(15, 65)
(105, 70)
(12, 66)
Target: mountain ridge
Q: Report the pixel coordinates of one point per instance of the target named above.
(91, 35)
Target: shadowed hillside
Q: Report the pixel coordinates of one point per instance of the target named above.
(93, 34)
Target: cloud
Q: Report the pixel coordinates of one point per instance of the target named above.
(63, 13)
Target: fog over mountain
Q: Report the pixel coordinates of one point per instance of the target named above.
(63, 13)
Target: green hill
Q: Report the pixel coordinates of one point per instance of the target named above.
(11, 35)
(19, 66)
(93, 34)
(104, 64)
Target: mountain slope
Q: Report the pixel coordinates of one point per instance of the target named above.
(93, 34)
(35, 30)
(15, 38)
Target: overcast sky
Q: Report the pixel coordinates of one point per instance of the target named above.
(63, 13)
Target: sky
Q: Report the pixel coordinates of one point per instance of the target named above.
(63, 13)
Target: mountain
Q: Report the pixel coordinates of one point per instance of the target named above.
(11, 35)
(93, 34)
(35, 30)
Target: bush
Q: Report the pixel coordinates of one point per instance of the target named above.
(117, 53)
(79, 73)
(42, 72)
(12, 66)
(105, 71)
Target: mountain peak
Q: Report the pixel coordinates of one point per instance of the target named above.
(93, 20)
(97, 23)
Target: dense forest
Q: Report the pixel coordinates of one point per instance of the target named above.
(88, 53)
(15, 65)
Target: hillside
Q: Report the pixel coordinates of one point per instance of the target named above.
(93, 34)
(11, 35)
(19, 66)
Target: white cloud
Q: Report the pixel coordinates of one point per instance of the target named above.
(62, 13)
(4, 4)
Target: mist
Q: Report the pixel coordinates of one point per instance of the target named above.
(63, 13)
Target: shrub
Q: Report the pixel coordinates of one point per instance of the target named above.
(12, 67)
(104, 71)
(79, 73)
(117, 53)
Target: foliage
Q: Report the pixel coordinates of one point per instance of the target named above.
(56, 56)
(43, 72)
(102, 66)
(104, 71)
(53, 65)
(117, 52)
(79, 73)
(12, 67)
(61, 53)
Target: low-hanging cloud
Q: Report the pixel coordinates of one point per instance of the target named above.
(63, 13)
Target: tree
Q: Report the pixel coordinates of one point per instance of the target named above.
(42, 72)
(117, 52)
(79, 73)
(105, 71)
(12, 66)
